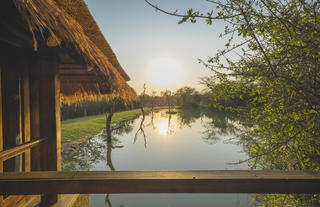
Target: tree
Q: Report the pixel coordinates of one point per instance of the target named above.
(187, 97)
(278, 67)
(153, 95)
(141, 130)
(109, 115)
(167, 94)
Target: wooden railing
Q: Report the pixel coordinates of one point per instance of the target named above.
(195, 181)
(15, 151)
(215, 181)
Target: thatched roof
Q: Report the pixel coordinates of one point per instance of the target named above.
(70, 22)
(80, 12)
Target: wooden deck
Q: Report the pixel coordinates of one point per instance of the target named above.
(84, 182)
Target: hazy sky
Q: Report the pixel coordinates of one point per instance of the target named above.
(152, 47)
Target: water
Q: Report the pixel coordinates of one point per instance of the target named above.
(188, 140)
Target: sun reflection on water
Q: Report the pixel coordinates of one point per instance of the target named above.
(163, 127)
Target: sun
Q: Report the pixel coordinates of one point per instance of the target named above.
(164, 72)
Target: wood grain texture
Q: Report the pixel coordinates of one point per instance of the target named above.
(16, 201)
(1, 137)
(160, 182)
(49, 94)
(26, 120)
(11, 114)
(35, 119)
(15, 151)
(49, 115)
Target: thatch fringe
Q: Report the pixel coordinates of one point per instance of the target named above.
(45, 15)
(77, 92)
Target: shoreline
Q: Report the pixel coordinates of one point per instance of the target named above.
(75, 132)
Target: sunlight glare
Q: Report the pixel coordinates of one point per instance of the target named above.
(163, 127)
(164, 72)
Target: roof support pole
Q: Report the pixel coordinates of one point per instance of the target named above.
(26, 119)
(11, 113)
(49, 108)
(1, 137)
(35, 119)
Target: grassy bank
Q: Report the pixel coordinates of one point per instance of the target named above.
(91, 125)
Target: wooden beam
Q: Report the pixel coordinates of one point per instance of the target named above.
(67, 200)
(220, 181)
(26, 119)
(17, 201)
(72, 66)
(1, 137)
(20, 141)
(50, 116)
(35, 120)
(76, 72)
(11, 112)
(15, 151)
(49, 112)
(80, 79)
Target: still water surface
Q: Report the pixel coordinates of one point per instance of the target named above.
(188, 140)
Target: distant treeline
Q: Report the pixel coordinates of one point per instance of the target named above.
(185, 97)
(89, 107)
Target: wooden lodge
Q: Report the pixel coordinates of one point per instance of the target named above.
(52, 51)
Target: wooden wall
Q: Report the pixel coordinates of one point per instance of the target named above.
(30, 107)
(14, 121)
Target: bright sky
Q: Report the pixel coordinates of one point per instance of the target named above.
(152, 47)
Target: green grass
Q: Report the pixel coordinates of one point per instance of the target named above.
(91, 125)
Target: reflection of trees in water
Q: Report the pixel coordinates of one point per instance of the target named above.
(110, 165)
(141, 127)
(108, 201)
(187, 117)
(151, 123)
(83, 155)
(88, 153)
(118, 129)
(216, 123)
(110, 146)
(96, 149)
(141, 130)
(171, 128)
(123, 127)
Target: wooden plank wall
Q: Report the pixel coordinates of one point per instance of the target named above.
(16, 118)
(10, 113)
(219, 181)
